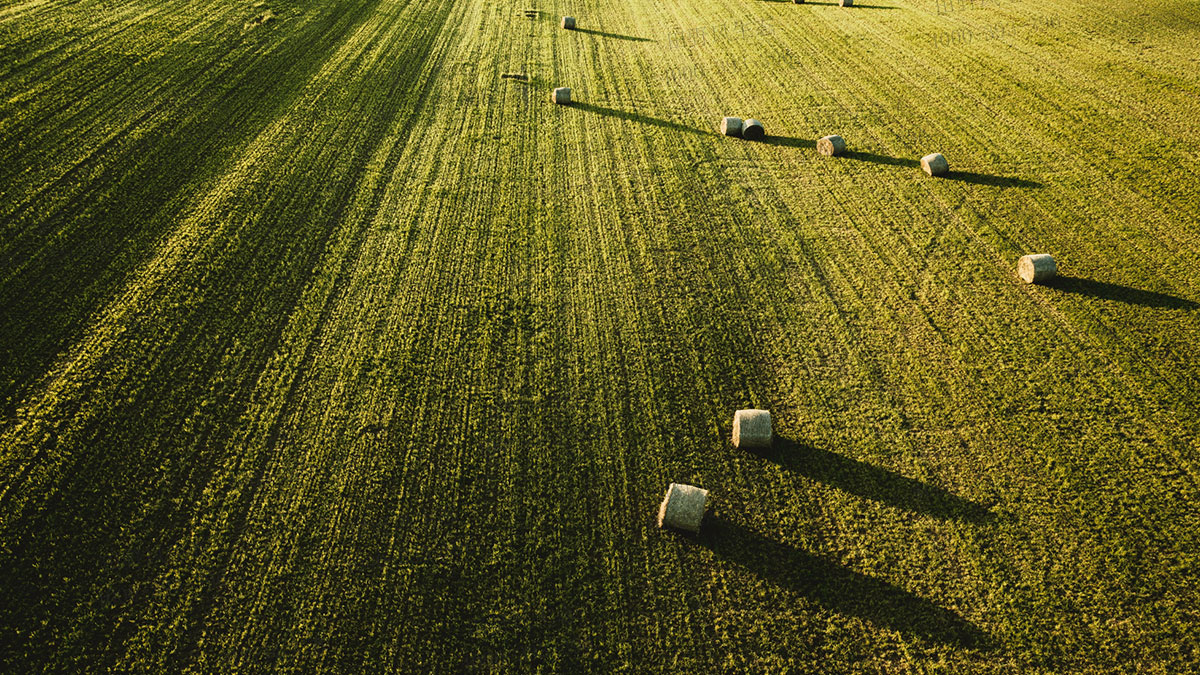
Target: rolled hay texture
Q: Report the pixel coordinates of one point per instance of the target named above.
(568, 22)
(561, 96)
(752, 429)
(731, 126)
(683, 507)
(935, 164)
(1037, 268)
(753, 130)
(831, 146)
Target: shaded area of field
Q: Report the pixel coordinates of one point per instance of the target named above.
(836, 587)
(872, 482)
(1106, 291)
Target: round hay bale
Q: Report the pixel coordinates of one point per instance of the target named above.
(846, 3)
(831, 146)
(752, 130)
(568, 22)
(752, 429)
(1037, 268)
(731, 126)
(561, 96)
(683, 507)
(935, 164)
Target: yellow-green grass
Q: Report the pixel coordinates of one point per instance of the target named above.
(324, 347)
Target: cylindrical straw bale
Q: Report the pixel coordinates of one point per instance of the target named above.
(683, 507)
(752, 429)
(753, 130)
(831, 146)
(568, 22)
(935, 164)
(846, 3)
(1037, 269)
(561, 96)
(731, 126)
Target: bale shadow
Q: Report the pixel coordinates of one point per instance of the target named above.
(836, 587)
(789, 141)
(882, 159)
(872, 482)
(856, 6)
(614, 36)
(988, 179)
(635, 117)
(1127, 294)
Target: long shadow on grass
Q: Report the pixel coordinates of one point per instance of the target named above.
(789, 142)
(872, 482)
(1128, 294)
(614, 36)
(989, 179)
(856, 5)
(960, 176)
(836, 587)
(634, 117)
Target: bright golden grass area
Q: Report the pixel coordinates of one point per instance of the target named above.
(328, 343)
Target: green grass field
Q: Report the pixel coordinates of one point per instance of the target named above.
(326, 347)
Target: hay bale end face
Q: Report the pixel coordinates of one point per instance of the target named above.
(935, 164)
(753, 130)
(1037, 269)
(846, 3)
(568, 22)
(731, 126)
(831, 146)
(561, 96)
(752, 429)
(683, 507)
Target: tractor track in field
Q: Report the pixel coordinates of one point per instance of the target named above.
(334, 220)
(119, 184)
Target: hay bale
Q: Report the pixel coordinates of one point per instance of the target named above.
(831, 146)
(935, 164)
(731, 126)
(1037, 268)
(683, 507)
(561, 96)
(568, 22)
(752, 429)
(752, 130)
(846, 3)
